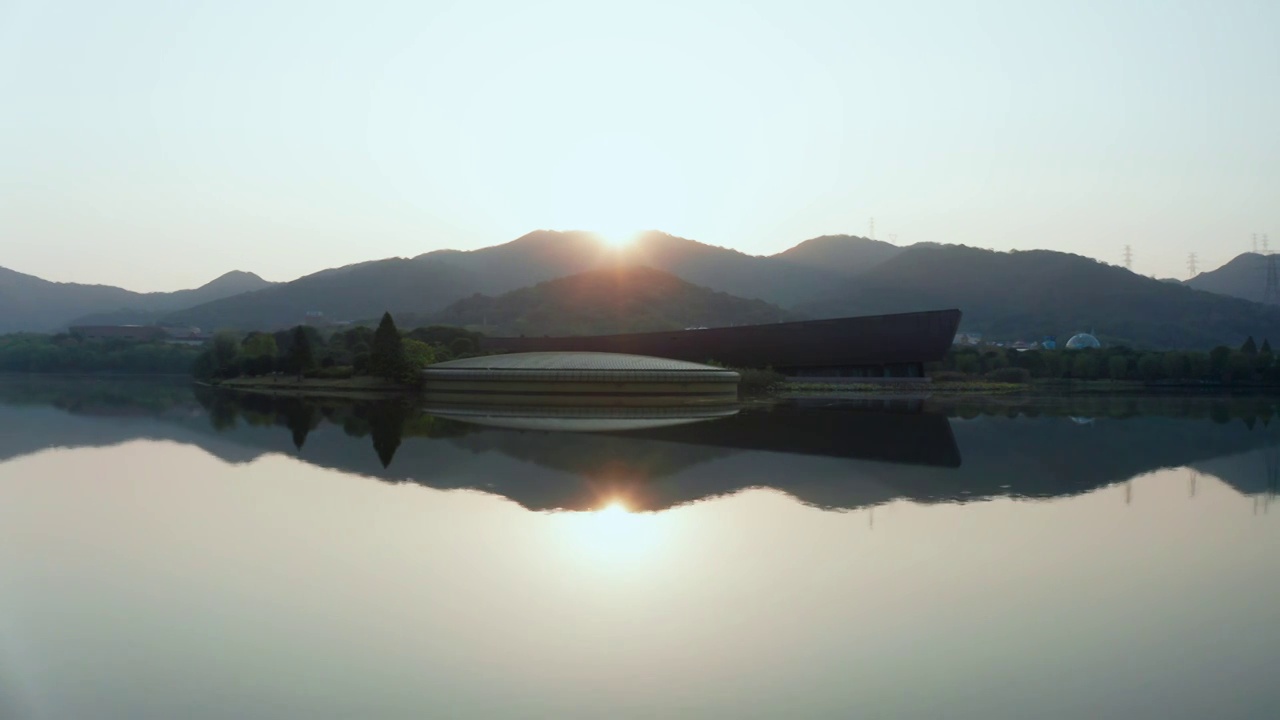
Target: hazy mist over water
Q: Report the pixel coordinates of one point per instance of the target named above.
(170, 554)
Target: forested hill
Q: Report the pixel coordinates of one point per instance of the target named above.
(844, 254)
(428, 283)
(1018, 295)
(1037, 293)
(610, 300)
(349, 293)
(29, 303)
(1244, 277)
(800, 274)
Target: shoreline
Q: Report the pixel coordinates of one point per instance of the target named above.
(363, 387)
(1113, 388)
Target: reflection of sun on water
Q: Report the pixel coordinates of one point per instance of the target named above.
(613, 534)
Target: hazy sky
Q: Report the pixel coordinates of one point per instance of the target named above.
(158, 144)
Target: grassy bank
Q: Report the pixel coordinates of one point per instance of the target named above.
(985, 387)
(1033, 387)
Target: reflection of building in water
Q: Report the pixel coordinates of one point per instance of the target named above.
(827, 453)
(581, 419)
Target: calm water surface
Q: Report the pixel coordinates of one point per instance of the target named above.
(167, 553)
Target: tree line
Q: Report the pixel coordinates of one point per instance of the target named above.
(1248, 364)
(66, 353)
(303, 351)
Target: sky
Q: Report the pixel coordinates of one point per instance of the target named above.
(156, 145)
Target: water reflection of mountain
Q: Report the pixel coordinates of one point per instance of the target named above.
(829, 454)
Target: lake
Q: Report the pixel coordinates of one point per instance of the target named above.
(174, 552)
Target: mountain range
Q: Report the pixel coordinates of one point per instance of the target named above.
(550, 282)
(1038, 293)
(28, 303)
(431, 282)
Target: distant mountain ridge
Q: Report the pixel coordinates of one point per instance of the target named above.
(32, 304)
(1036, 293)
(1014, 295)
(1245, 277)
(430, 282)
(846, 254)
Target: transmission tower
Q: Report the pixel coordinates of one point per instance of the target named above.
(1128, 257)
(871, 229)
(1191, 264)
(1271, 290)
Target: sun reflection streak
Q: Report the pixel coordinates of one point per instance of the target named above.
(612, 536)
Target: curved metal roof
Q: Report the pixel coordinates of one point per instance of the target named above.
(574, 361)
(581, 419)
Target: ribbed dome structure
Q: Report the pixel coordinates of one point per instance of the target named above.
(1080, 341)
(577, 378)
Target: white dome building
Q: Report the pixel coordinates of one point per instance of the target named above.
(576, 378)
(1081, 341)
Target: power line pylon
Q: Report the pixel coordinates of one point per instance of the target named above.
(1128, 257)
(871, 229)
(1271, 290)
(1191, 264)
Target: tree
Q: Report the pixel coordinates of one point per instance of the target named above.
(1054, 364)
(1218, 359)
(968, 363)
(257, 344)
(1118, 367)
(301, 358)
(226, 352)
(1265, 360)
(417, 354)
(1197, 365)
(1150, 367)
(1240, 367)
(1175, 365)
(386, 358)
(260, 352)
(990, 361)
(1249, 347)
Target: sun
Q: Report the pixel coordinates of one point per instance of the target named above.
(618, 240)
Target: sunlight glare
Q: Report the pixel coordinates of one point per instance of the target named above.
(618, 240)
(613, 536)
